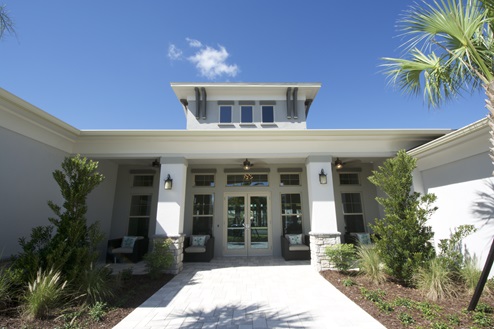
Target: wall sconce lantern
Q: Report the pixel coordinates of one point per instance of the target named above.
(168, 183)
(338, 163)
(323, 178)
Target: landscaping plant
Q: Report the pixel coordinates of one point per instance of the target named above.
(435, 280)
(160, 258)
(402, 236)
(44, 294)
(342, 256)
(370, 263)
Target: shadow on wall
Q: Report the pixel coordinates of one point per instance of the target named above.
(483, 210)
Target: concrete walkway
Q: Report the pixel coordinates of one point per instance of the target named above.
(248, 292)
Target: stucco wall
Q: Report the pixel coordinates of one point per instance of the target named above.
(27, 184)
(368, 194)
(465, 195)
(213, 117)
(123, 195)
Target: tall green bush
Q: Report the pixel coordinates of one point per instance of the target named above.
(72, 248)
(403, 238)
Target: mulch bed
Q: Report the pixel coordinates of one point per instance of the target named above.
(133, 293)
(451, 312)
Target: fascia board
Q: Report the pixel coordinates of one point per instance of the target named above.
(459, 144)
(235, 91)
(21, 117)
(208, 143)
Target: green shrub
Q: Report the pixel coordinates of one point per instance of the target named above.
(370, 263)
(5, 287)
(73, 247)
(95, 284)
(375, 296)
(403, 239)
(470, 276)
(451, 251)
(342, 256)
(97, 311)
(160, 258)
(406, 318)
(434, 280)
(482, 319)
(348, 282)
(44, 294)
(484, 308)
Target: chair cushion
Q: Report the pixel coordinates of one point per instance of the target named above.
(294, 238)
(128, 241)
(122, 250)
(198, 240)
(195, 250)
(298, 247)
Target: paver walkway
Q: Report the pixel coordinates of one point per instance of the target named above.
(248, 292)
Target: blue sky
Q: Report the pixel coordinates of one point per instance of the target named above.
(108, 64)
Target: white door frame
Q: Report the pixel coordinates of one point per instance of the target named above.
(247, 249)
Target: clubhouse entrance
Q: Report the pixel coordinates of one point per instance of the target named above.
(247, 224)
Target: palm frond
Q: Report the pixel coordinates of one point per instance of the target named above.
(453, 29)
(430, 73)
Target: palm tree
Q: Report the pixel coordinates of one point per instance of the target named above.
(6, 24)
(450, 50)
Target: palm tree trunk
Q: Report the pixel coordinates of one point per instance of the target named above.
(489, 103)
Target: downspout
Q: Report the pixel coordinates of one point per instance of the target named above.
(204, 102)
(198, 103)
(295, 112)
(288, 104)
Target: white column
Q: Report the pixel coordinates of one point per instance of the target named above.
(324, 228)
(171, 203)
(321, 196)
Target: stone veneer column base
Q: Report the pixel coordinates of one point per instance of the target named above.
(176, 249)
(318, 244)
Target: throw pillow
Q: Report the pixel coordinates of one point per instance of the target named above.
(198, 240)
(128, 241)
(294, 238)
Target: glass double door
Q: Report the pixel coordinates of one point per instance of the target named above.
(247, 227)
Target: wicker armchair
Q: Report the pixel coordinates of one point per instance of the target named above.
(198, 253)
(295, 251)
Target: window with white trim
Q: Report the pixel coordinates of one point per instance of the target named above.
(140, 212)
(289, 180)
(202, 219)
(349, 179)
(291, 213)
(204, 180)
(267, 113)
(353, 212)
(246, 114)
(225, 114)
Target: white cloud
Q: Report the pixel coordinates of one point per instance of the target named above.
(194, 43)
(211, 62)
(174, 53)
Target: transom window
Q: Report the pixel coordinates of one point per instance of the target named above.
(225, 114)
(289, 179)
(247, 180)
(142, 180)
(202, 219)
(246, 114)
(353, 212)
(204, 180)
(267, 114)
(291, 213)
(349, 179)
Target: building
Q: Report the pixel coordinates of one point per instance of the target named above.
(246, 170)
